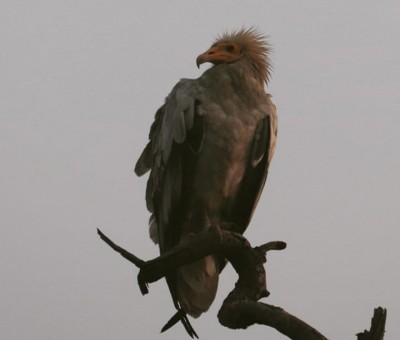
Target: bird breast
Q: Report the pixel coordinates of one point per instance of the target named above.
(228, 139)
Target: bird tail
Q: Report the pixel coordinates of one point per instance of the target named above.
(196, 285)
(180, 315)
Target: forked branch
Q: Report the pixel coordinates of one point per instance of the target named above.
(241, 308)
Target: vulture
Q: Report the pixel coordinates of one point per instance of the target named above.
(208, 154)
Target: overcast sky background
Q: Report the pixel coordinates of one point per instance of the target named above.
(79, 84)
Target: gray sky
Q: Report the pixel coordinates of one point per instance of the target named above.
(79, 84)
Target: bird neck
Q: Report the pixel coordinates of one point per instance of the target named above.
(240, 75)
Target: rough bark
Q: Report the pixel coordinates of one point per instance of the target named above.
(241, 308)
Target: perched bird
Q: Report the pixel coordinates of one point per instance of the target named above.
(210, 147)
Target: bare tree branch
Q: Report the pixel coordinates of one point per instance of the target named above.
(246, 313)
(241, 308)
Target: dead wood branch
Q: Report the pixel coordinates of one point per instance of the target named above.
(377, 330)
(241, 308)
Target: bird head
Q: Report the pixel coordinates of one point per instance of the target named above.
(247, 45)
(220, 52)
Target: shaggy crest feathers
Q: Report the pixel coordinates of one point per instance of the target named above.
(255, 47)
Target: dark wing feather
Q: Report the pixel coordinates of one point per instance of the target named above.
(173, 160)
(145, 161)
(255, 176)
(175, 138)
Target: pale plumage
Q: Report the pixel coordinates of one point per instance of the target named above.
(209, 151)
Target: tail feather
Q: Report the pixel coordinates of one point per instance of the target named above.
(180, 315)
(197, 286)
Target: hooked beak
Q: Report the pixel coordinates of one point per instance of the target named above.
(212, 55)
(199, 60)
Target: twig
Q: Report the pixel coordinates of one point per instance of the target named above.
(129, 256)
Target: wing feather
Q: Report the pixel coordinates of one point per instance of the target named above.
(257, 170)
(175, 137)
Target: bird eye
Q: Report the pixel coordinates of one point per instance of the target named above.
(229, 48)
